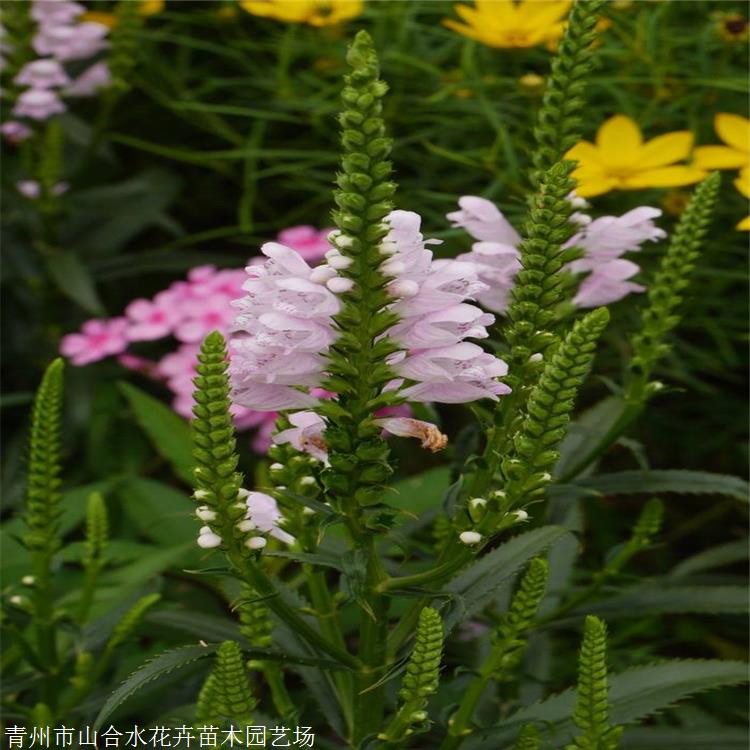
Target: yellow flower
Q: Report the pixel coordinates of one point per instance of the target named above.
(313, 12)
(742, 183)
(620, 160)
(146, 8)
(503, 23)
(734, 130)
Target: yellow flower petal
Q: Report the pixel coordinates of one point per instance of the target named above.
(664, 177)
(467, 31)
(536, 13)
(584, 153)
(150, 7)
(718, 157)
(619, 141)
(588, 188)
(665, 149)
(744, 225)
(95, 16)
(733, 130)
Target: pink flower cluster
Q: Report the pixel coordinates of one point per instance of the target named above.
(186, 311)
(59, 39)
(603, 241)
(284, 325)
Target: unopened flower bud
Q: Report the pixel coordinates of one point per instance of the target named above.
(477, 502)
(205, 513)
(209, 541)
(339, 285)
(536, 357)
(307, 481)
(242, 493)
(339, 261)
(246, 525)
(276, 467)
(201, 495)
(256, 542)
(307, 511)
(322, 274)
(403, 288)
(521, 515)
(17, 600)
(470, 537)
(28, 580)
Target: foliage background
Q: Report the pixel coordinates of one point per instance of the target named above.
(228, 135)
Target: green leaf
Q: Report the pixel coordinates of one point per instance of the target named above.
(326, 560)
(685, 738)
(472, 589)
(713, 557)
(163, 514)
(74, 281)
(169, 433)
(419, 493)
(656, 599)
(149, 671)
(633, 695)
(670, 480)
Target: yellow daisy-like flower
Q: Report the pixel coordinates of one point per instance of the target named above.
(145, 8)
(742, 183)
(313, 12)
(620, 160)
(503, 23)
(734, 130)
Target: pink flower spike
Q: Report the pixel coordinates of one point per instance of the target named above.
(429, 435)
(38, 104)
(90, 81)
(608, 284)
(484, 221)
(42, 74)
(66, 43)
(98, 339)
(309, 242)
(305, 435)
(55, 11)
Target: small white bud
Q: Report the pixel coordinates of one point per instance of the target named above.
(246, 525)
(499, 494)
(276, 467)
(521, 515)
(536, 357)
(322, 274)
(243, 494)
(339, 285)
(201, 495)
(307, 511)
(477, 502)
(392, 268)
(340, 240)
(339, 261)
(388, 247)
(28, 580)
(205, 530)
(470, 537)
(205, 513)
(307, 481)
(209, 540)
(546, 477)
(256, 542)
(17, 600)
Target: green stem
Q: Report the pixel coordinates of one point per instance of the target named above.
(87, 593)
(282, 701)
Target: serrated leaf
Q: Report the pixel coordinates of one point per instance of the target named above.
(472, 589)
(685, 738)
(669, 480)
(149, 671)
(713, 557)
(326, 560)
(168, 432)
(656, 599)
(633, 695)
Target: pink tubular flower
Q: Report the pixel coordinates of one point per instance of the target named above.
(38, 104)
(15, 132)
(90, 81)
(484, 221)
(497, 266)
(607, 283)
(305, 434)
(429, 435)
(265, 514)
(42, 74)
(309, 242)
(98, 339)
(55, 11)
(453, 374)
(66, 43)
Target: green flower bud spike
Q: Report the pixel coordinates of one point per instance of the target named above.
(591, 713)
(97, 526)
(43, 505)
(528, 738)
(559, 120)
(225, 698)
(508, 648)
(420, 680)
